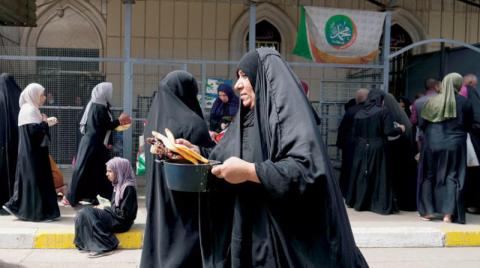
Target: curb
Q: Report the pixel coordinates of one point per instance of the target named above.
(365, 237)
(468, 238)
(30, 238)
(398, 237)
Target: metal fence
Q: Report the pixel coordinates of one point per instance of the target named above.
(69, 75)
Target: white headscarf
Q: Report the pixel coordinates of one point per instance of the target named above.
(101, 94)
(29, 105)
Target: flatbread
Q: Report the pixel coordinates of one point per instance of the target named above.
(123, 127)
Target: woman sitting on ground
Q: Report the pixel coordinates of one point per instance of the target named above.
(95, 227)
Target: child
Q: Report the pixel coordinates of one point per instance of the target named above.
(95, 227)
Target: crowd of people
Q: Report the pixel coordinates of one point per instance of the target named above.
(270, 174)
(381, 137)
(28, 187)
(273, 168)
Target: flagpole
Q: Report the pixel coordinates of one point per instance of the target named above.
(386, 50)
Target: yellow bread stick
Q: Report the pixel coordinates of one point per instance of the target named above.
(194, 154)
(188, 157)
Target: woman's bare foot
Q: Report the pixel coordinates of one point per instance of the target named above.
(427, 217)
(447, 218)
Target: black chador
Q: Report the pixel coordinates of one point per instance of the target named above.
(171, 232)
(9, 96)
(370, 186)
(295, 216)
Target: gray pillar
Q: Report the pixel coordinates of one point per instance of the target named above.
(127, 76)
(386, 51)
(251, 31)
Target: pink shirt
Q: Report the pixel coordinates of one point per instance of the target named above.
(463, 91)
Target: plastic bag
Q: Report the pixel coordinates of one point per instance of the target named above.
(140, 164)
(472, 160)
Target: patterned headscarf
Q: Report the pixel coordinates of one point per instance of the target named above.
(124, 177)
(29, 105)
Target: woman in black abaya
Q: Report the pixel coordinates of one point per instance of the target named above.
(371, 186)
(402, 167)
(448, 117)
(95, 227)
(171, 232)
(96, 125)
(34, 197)
(275, 202)
(9, 96)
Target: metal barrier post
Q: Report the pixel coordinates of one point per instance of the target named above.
(386, 51)
(204, 86)
(127, 77)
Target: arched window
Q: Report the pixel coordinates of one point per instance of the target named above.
(399, 39)
(267, 35)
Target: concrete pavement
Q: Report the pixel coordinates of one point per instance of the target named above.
(371, 230)
(376, 258)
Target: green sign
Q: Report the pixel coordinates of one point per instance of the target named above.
(340, 31)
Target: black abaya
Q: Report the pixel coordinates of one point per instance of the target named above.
(295, 217)
(88, 178)
(371, 187)
(95, 228)
(403, 172)
(472, 182)
(346, 143)
(9, 108)
(171, 232)
(444, 162)
(34, 197)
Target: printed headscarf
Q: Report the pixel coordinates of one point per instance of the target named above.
(29, 105)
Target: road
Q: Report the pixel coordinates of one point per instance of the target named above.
(376, 257)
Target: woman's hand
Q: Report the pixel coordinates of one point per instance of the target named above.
(124, 119)
(188, 144)
(402, 127)
(213, 135)
(235, 170)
